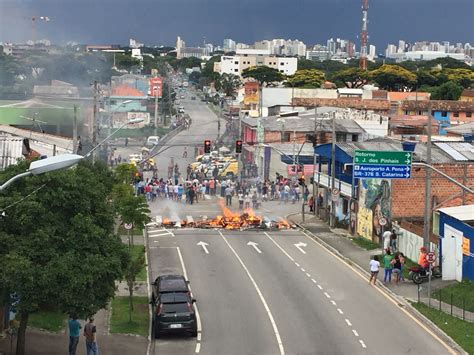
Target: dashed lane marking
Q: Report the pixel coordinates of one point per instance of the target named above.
(355, 332)
(320, 287)
(313, 280)
(260, 294)
(327, 295)
(362, 343)
(308, 274)
(340, 311)
(333, 303)
(348, 322)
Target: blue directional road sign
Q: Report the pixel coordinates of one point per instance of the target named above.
(382, 164)
(382, 171)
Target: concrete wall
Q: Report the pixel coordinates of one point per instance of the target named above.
(410, 243)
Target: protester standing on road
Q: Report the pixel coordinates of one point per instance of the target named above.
(397, 268)
(374, 269)
(386, 239)
(90, 332)
(228, 196)
(74, 332)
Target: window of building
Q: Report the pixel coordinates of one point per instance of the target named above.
(236, 70)
(285, 136)
(468, 114)
(340, 137)
(456, 114)
(236, 62)
(444, 114)
(355, 137)
(282, 63)
(282, 71)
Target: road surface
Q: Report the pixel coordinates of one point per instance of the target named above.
(279, 292)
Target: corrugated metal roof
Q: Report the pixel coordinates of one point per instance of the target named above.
(459, 151)
(462, 213)
(438, 156)
(11, 150)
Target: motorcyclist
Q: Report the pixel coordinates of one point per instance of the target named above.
(422, 259)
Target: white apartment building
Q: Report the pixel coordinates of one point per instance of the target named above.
(247, 58)
(229, 45)
(372, 52)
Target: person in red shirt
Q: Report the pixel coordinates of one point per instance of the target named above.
(422, 259)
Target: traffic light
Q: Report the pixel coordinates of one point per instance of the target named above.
(238, 146)
(207, 146)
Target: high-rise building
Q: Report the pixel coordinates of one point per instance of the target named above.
(180, 44)
(391, 49)
(372, 51)
(229, 45)
(401, 46)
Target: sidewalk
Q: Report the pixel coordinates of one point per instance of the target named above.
(339, 239)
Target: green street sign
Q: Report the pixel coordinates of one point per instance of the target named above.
(373, 157)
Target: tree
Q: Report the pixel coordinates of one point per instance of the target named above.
(263, 74)
(448, 91)
(134, 266)
(393, 78)
(463, 77)
(57, 247)
(306, 78)
(228, 84)
(194, 77)
(126, 61)
(350, 77)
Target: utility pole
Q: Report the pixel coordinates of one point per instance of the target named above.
(74, 131)
(427, 218)
(315, 160)
(155, 92)
(332, 220)
(94, 121)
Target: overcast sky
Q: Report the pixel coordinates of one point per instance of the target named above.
(157, 22)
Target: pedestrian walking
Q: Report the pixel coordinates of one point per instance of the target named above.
(374, 265)
(241, 200)
(397, 268)
(247, 201)
(74, 332)
(387, 264)
(402, 262)
(185, 152)
(90, 332)
(311, 204)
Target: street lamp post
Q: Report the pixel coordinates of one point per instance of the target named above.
(46, 165)
(135, 120)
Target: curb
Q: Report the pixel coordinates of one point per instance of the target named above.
(402, 302)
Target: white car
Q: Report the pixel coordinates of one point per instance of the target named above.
(152, 141)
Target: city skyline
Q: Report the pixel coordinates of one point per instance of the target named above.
(205, 21)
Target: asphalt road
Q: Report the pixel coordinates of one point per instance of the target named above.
(285, 294)
(204, 126)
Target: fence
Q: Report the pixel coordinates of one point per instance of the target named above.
(461, 307)
(410, 243)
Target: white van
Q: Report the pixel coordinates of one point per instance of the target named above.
(152, 141)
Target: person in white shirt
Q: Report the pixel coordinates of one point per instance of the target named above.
(374, 269)
(386, 239)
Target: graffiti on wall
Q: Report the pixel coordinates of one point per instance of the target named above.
(374, 205)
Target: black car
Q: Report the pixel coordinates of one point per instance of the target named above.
(170, 284)
(174, 313)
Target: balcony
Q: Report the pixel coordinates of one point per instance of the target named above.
(325, 180)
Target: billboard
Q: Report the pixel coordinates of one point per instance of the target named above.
(251, 95)
(156, 87)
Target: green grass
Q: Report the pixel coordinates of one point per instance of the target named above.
(51, 320)
(364, 243)
(462, 332)
(119, 321)
(136, 250)
(461, 290)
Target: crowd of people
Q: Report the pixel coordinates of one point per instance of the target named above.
(247, 193)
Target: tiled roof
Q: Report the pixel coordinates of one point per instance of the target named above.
(127, 91)
(467, 128)
(412, 121)
(438, 105)
(468, 93)
(401, 96)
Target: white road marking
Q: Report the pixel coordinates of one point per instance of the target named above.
(298, 265)
(254, 245)
(264, 302)
(340, 311)
(320, 287)
(355, 332)
(362, 343)
(348, 322)
(314, 280)
(300, 246)
(333, 303)
(303, 270)
(327, 295)
(204, 246)
(198, 318)
(308, 274)
(394, 302)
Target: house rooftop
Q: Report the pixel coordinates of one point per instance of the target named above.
(438, 105)
(467, 128)
(438, 155)
(462, 213)
(305, 122)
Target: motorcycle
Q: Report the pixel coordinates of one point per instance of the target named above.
(419, 274)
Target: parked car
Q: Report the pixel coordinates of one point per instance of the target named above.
(152, 141)
(174, 312)
(169, 284)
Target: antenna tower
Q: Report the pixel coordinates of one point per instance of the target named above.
(364, 36)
